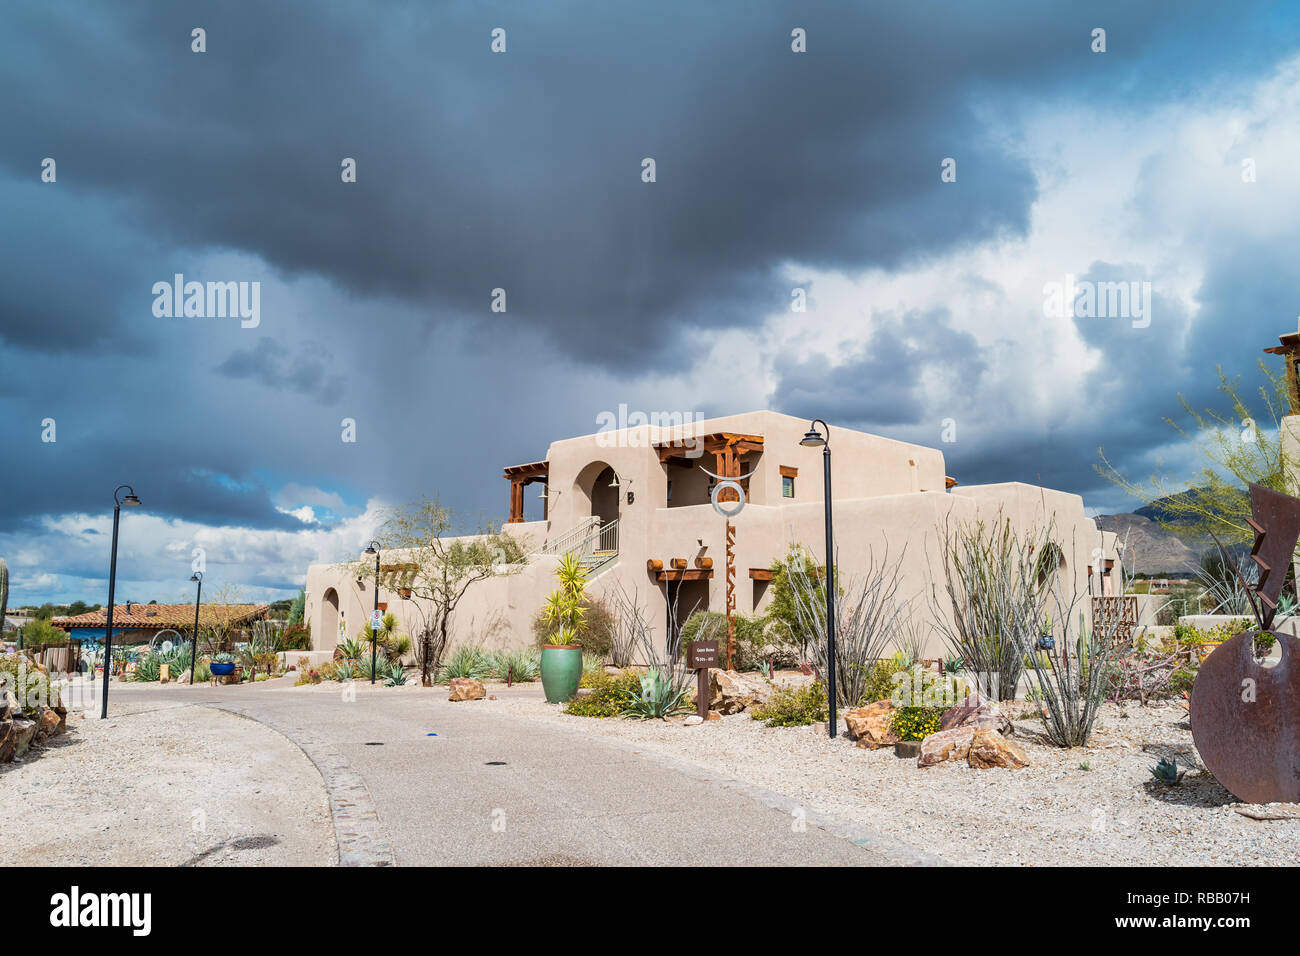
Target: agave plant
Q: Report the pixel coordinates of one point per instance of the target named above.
(350, 648)
(658, 697)
(467, 660)
(345, 670)
(1166, 771)
(396, 676)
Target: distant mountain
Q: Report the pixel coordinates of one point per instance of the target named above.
(1150, 549)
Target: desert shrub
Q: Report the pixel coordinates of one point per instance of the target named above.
(596, 635)
(915, 723)
(794, 707)
(30, 686)
(202, 672)
(296, 637)
(879, 683)
(39, 631)
(609, 695)
(592, 667)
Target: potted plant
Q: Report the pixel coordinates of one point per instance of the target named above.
(911, 725)
(223, 665)
(562, 657)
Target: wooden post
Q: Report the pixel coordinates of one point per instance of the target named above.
(731, 591)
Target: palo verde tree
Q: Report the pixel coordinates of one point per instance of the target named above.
(438, 567)
(1236, 448)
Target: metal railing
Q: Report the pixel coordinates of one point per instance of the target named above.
(572, 539)
(606, 539)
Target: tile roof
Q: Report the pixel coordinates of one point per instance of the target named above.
(159, 616)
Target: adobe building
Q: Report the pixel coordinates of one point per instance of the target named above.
(635, 504)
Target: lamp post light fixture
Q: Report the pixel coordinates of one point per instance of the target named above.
(814, 439)
(130, 500)
(374, 631)
(198, 596)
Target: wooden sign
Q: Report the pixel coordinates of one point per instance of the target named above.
(701, 655)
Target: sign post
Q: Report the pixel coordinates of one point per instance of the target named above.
(700, 656)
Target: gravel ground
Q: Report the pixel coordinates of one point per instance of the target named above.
(1052, 813)
(167, 786)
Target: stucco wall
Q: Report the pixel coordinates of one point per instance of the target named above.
(889, 498)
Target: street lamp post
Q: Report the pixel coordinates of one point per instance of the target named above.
(198, 596)
(131, 501)
(374, 631)
(813, 439)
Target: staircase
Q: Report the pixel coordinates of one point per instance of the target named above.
(595, 544)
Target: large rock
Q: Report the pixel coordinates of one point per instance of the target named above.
(731, 692)
(990, 749)
(9, 705)
(945, 745)
(977, 714)
(465, 688)
(869, 725)
(15, 737)
(50, 724)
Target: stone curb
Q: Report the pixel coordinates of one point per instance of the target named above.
(358, 834)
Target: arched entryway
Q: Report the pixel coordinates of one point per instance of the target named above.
(597, 483)
(329, 624)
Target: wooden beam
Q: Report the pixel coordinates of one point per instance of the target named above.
(692, 574)
(760, 574)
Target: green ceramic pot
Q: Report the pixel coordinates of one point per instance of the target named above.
(561, 671)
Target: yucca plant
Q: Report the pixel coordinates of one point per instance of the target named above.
(564, 609)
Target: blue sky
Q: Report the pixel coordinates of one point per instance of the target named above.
(521, 170)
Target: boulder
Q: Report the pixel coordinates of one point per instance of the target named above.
(944, 745)
(465, 688)
(50, 723)
(15, 737)
(9, 705)
(713, 715)
(731, 692)
(980, 715)
(990, 749)
(692, 720)
(869, 725)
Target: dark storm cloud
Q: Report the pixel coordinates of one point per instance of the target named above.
(521, 170)
(882, 383)
(272, 365)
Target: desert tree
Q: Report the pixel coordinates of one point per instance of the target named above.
(1236, 445)
(439, 567)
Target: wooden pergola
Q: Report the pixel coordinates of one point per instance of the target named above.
(520, 477)
(725, 447)
(1290, 351)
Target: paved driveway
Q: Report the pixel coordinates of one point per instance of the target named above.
(491, 790)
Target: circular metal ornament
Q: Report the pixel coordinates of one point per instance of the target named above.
(1246, 719)
(737, 506)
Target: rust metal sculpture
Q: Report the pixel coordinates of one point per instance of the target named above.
(1245, 713)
